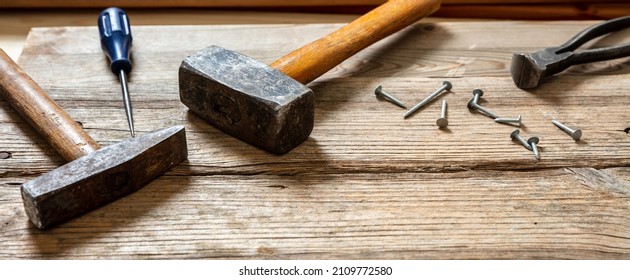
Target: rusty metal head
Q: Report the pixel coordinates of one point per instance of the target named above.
(247, 99)
(529, 70)
(102, 176)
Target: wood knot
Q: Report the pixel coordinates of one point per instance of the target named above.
(5, 155)
(265, 250)
(627, 130)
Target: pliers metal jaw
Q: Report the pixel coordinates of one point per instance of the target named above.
(529, 70)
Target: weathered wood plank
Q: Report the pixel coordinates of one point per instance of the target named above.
(367, 183)
(354, 129)
(421, 49)
(344, 101)
(559, 213)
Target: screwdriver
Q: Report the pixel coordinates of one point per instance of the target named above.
(115, 32)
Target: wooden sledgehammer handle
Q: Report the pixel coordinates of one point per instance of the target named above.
(34, 104)
(314, 59)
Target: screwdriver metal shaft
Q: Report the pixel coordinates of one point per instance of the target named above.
(127, 101)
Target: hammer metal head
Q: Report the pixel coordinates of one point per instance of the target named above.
(247, 99)
(102, 176)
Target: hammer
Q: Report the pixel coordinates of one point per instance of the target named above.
(269, 106)
(94, 176)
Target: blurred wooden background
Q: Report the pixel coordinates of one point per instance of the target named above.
(497, 9)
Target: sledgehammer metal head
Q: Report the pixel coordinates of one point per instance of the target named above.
(102, 176)
(247, 99)
(269, 107)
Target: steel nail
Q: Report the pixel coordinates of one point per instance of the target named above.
(442, 121)
(575, 133)
(514, 121)
(445, 86)
(482, 109)
(516, 136)
(473, 103)
(477, 93)
(533, 141)
(379, 92)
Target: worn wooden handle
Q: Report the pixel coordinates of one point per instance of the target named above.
(30, 100)
(316, 58)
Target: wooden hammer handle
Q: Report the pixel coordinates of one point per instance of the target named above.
(316, 58)
(32, 102)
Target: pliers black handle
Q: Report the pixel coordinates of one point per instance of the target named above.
(528, 70)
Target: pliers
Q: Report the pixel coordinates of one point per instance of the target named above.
(528, 70)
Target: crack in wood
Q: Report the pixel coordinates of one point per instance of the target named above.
(277, 187)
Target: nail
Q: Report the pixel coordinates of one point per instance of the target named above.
(379, 92)
(5, 155)
(472, 105)
(575, 133)
(477, 93)
(442, 121)
(514, 121)
(532, 142)
(445, 86)
(516, 136)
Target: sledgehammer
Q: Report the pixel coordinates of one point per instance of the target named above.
(94, 176)
(269, 106)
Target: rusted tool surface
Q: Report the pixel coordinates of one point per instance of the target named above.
(529, 70)
(267, 106)
(247, 99)
(94, 177)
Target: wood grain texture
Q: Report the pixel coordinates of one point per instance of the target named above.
(367, 183)
(15, 24)
(314, 59)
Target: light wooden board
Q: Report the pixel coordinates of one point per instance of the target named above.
(367, 183)
(15, 24)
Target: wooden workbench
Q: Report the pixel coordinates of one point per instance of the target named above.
(367, 183)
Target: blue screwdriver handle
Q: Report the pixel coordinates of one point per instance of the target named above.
(115, 32)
